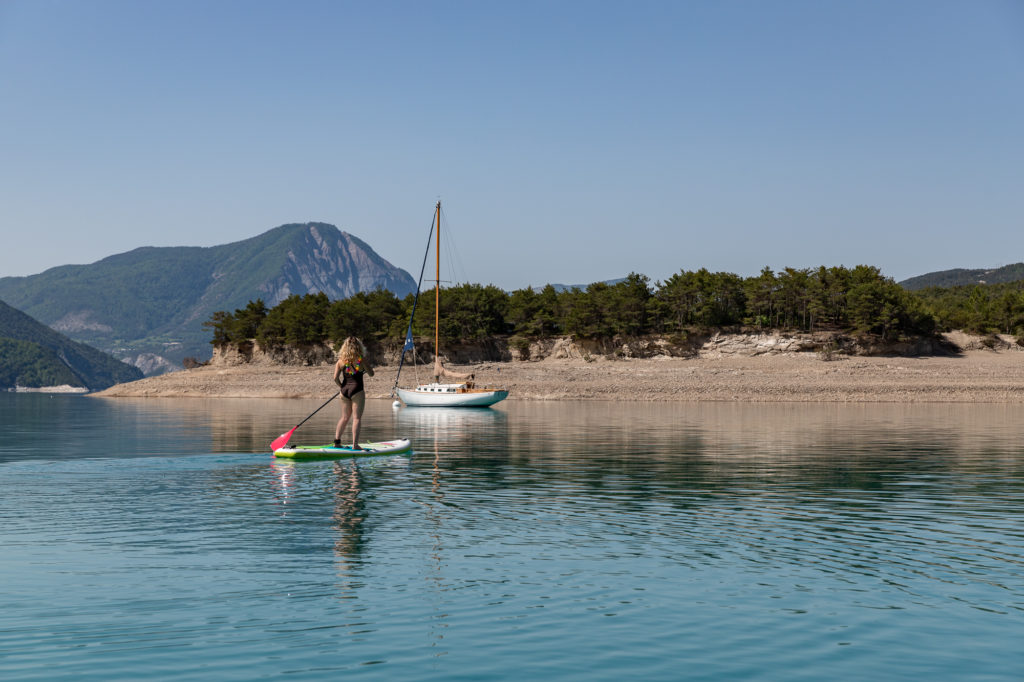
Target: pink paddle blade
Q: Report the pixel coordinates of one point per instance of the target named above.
(282, 440)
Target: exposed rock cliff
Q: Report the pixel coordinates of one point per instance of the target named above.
(716, 345)
(320, 258)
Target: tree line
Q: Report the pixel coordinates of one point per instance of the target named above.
(859, 300)
(980, 308)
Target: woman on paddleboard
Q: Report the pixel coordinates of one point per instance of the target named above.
(348, 374)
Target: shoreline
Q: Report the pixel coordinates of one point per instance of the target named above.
(62, 388)
(975, 376)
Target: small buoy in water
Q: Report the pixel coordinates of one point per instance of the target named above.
(396, 404)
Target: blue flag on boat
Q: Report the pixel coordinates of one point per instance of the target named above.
(408, 341)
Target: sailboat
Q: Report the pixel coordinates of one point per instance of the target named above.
(462, 390)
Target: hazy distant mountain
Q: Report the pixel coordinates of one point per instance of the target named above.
(582, 287)
(33, 355)
(147, 306)
(961, 277)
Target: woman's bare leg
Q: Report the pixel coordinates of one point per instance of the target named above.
(346, 413)
(359, 401)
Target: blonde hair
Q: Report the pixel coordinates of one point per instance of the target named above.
(351, 350)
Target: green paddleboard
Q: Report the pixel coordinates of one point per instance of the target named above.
(387, 447)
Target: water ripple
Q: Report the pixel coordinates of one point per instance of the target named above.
(537, 541)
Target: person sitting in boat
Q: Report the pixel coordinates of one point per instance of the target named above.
(442, 372)
(348, 375)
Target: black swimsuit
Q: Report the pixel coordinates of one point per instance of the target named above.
(352, 383)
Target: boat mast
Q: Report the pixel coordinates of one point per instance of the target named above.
(409, 345)
(437, 291)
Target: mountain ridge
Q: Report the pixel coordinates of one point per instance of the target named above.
(147, 305)
(965, 276)
(581, 287)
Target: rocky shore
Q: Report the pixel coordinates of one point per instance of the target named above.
(748, 370)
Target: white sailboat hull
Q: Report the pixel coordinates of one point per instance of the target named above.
(450, 395)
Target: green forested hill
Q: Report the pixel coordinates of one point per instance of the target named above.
(963, 277)
(33, 355)
(152, 301)
(23, 363)
(132, 292)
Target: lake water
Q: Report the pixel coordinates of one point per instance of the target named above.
(572, 541)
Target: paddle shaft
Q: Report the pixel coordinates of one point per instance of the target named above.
(283, 439)
(317, 410)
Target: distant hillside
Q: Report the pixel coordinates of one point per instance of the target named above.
(147, 306)
(33, 355)
(961, 277)
(582, 287)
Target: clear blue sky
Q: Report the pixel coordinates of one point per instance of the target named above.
(569, 141)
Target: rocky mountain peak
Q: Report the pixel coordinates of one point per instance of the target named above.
(322, 258)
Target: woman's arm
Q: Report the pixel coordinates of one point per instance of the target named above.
(337, 372)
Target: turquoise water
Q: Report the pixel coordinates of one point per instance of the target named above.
(590, 541)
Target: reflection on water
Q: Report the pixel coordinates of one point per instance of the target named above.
(434, 521)
(435, 429)
(783, 433)
(579, 540)
(349, 514)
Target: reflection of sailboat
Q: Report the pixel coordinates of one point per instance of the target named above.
(449, 419)
(461, 432)
(463, 392)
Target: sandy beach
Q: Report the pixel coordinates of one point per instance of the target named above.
(972, 376)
